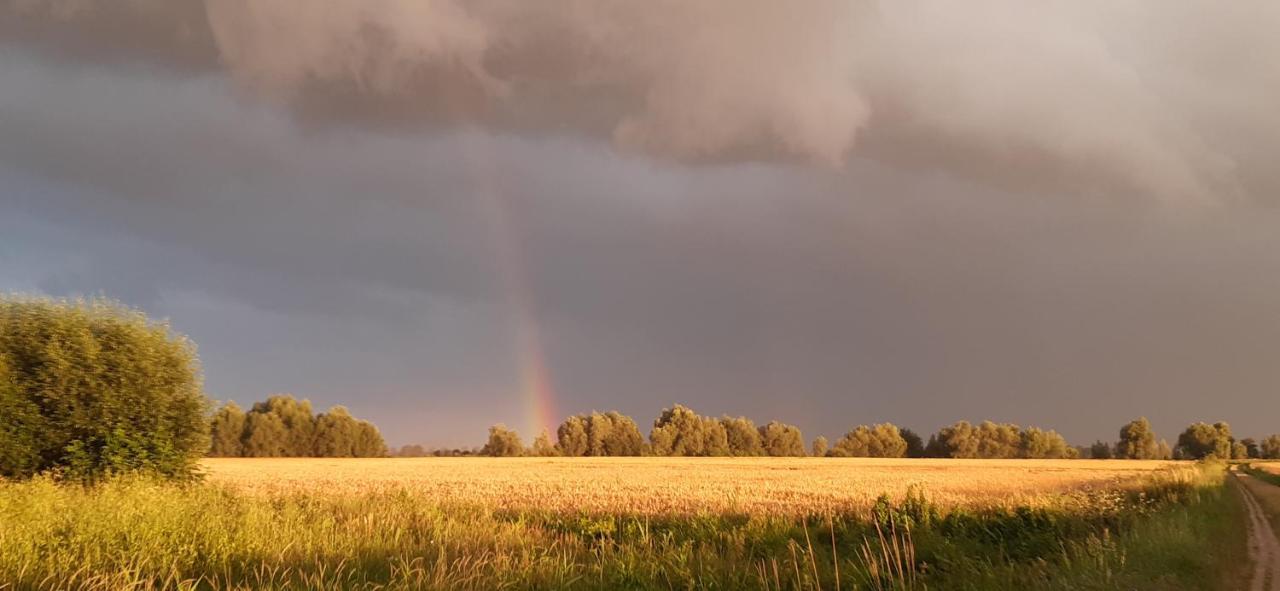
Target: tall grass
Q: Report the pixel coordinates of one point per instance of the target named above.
(138, 534)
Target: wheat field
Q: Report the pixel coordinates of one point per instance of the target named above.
(780, 486)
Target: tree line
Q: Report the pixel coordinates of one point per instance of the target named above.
(679, 431)
(283, 426)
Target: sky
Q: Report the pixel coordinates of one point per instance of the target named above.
(445, 215)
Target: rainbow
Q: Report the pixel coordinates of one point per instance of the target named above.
(536, 386)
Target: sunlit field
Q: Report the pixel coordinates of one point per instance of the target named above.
(1272, 467)
(778, 486)
(630, 523)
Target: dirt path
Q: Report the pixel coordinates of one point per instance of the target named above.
(1264, 550)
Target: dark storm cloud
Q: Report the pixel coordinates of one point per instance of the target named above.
(1067, 219)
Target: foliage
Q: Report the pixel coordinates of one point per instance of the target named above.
(542, 446)
(820, 446)
(596, 434)
(283, 426)
(91, 387)
(226, 432)
(781, 440)
(1137, 441)
(879, 441)
(1045, 445)
(503, 442)
(1202, 440)
(915, 444)
(1101, 450)
(1270, 448)
(742, 436)
(679, 431)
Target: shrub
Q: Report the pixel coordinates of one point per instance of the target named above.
(91, 387)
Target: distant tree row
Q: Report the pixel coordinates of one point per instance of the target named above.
(679, 431)
(1199, 441)
(283, 426)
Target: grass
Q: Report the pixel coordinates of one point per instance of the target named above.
(1170, 528)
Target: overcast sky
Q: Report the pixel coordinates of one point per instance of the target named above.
(831, 213)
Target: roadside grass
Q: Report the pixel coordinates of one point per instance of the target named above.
(1179, 531)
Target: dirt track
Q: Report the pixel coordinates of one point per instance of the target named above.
(1264, 550)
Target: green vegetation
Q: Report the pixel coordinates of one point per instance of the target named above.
(283, 426)
(90, 388)
(1178, 532)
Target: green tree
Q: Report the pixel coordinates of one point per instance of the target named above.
(298, 420)
(264, 436)
(781, 439)
(1270, 448)
(1046, 445)
(1100, 450)
(679, 431)
(955, 441)
(369, 442)
(503, 442)
(20, 424)
(879, 441)
(820, 446)
(742, 436)
(1251, 447)
(91, 387)
(542, 446)
(1201, 440)
(599, 434)
(227, 432)
(915, 445)
(571, 437)
(335, 435)
(1239, 451)
(1137, 441)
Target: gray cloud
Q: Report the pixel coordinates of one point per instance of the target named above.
(1091, 99)
(989, 233)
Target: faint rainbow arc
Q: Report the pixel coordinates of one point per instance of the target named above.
(536, 386)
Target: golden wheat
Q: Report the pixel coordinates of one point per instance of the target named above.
(784, 486)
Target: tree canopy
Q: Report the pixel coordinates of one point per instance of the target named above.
(283, 426)
(878, 441)
(91, 387)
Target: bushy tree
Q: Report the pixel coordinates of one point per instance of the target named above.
(781, 439)
(503, 442)
(915, 445)
(879, 441)
(679, 431)
(599, 434)
(1137, 441)
(1045, 445)
(265, 436)
(542, 446)
(337, 434)
(997, 441)
(226, 431)
(298, 419)
(820, 446)
(742, 436)
(1201, 440)
(571, 437)
(1270, 448)
(91, 387)
(1100, 450)
(1239, 451)
(1251, 448)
